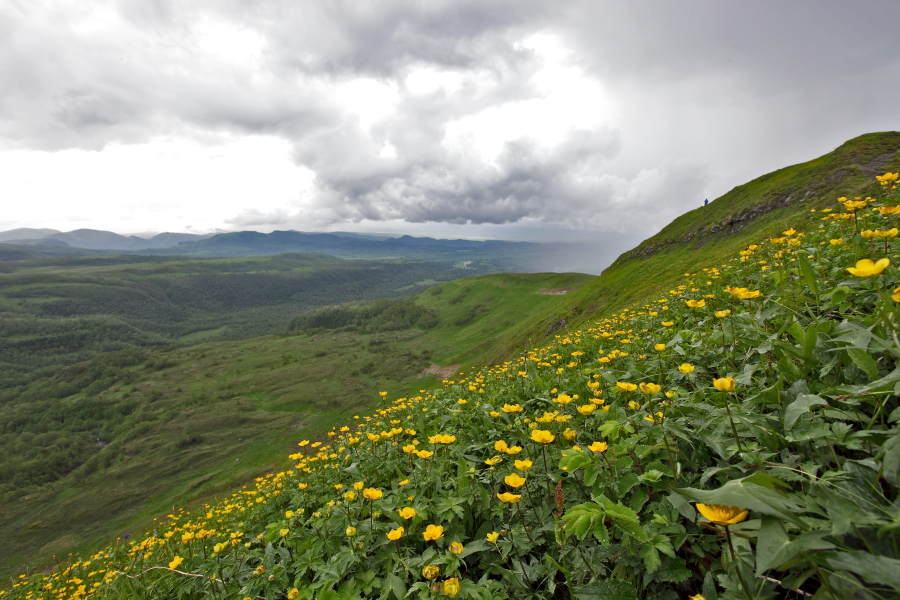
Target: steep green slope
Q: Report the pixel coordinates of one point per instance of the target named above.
(706, 236)
(109, 443)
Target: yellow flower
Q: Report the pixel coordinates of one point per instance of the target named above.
(514, 449)
(407, 512)
(523, 465)
(724, 384)
(456, 548)
(372, 494)
(429, 572)
(659, 347)
(867, 268)
(284, 532)
(896, 295)
(500, 446)
(492, 461)
(509, 408)
(686, 368)
(889, 210)
(514, 480)
(747, 295)
(633, 405)
(425, 453)
(650, 388)
(598, 447)
(433, 533)
(289, 514)
(442, 439)
(451, 586)
(173, 564)
(358, 485)
(350, 531)
(667, 323)
(404, 482)
(542, 437)
(302, 486)
(510, 498)
(570, 434)
(395, 534)
(586, 409)
(292, 595)
(722, 515)
(563, 399)
(493, 536)
(697, 597)
(350, 496)
(722, 313)
(695, 303)
(494, 413)
(627, 387)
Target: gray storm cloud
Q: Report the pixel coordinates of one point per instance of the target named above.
(692, 81)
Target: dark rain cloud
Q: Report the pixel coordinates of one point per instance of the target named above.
(699, 78)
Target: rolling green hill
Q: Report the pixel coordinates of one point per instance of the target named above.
(112, 442)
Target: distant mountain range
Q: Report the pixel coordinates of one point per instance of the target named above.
(30, 244)
(94, 239)
(245, 243)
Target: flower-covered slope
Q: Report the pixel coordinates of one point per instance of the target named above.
(735, 437)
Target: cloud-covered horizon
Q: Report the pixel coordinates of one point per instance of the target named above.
(581, 116)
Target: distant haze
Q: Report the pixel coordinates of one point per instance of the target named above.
(592, 121)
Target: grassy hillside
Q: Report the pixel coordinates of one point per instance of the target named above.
(733, 437)
(706, 236)
(97, 451)
(56, 312)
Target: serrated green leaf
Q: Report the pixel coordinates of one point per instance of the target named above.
(627, 482)
(890, 457)
(572, 460)
(591, 472)
(650, 556)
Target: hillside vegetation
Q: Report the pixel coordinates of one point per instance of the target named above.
(56, 312)
(707, 235)
(110, 442)
(734, 437)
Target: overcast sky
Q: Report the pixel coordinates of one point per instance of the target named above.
(462, 118)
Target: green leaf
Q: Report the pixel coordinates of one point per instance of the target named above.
(774, 547)
(473, 547)
(683, 506)
(591, 472)
(800, 406)
(586, 518)
(871, 567)
(890, 456)
(627, 520)
(572, 460)
(627, 482)
(744, 494)
(808, 274)
(650, 557)
(609, 589)
(865, 362)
